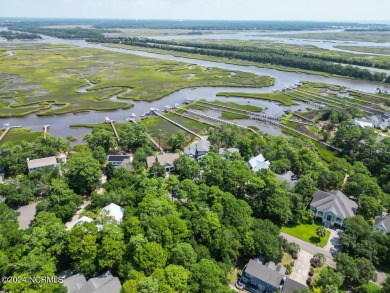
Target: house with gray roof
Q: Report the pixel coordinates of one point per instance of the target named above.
(258, 277)
(119, 160)
(333, 207)
(105, 283)
(258, 163)
(33, 165)
(166, 160)
(382, 223)
(198, 149)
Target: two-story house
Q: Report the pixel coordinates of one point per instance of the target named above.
(333, 207)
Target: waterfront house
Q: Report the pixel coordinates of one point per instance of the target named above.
(166, 160)
(333, 207)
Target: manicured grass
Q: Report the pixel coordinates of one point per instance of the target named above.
(41, 79)
(286, 260)
(306, 232)
(232, 116)
(17, 135)
(276, 97)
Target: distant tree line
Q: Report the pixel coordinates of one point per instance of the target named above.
(19, 36)
(266, 56)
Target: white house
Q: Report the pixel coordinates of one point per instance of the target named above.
(114, 211)
(258, 163)
(33, 165)
(382, 223)
(82, 220)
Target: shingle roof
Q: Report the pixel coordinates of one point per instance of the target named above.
(336, 202)
(105, 283)
(383, 221)
(290, 285)
(201, 145)
(162, 159)
(42, 162)
(263, 273)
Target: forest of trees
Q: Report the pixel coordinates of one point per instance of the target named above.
(185, 232)
(18, 36)
(262, 55)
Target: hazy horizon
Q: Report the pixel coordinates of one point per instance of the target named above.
(243, 10)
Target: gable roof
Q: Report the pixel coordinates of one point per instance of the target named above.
(383, 221)
(83, 219)
(163, 159)
(117, 158)
(258, 163)
(290, 285)
(336, 202)
(105, 283)
(264, 273)
(42, 162)
(200, 145)
(115, 211)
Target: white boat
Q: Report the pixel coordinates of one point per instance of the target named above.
(6, 125)
(177, 105)
(133, 115)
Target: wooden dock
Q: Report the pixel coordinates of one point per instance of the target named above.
(45, 129)
(155, 143)
(177, 124)
(115, 131)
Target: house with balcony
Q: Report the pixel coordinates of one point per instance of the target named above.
(265, 278)
(333, 207)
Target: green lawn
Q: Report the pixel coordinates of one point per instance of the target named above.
(16, 135)
(306, 232)
(233, 116)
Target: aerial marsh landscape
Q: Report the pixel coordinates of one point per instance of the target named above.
(64, 79)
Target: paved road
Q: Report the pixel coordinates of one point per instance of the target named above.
(301, 268)
(310, 248)
(72, 222)
(27, 215)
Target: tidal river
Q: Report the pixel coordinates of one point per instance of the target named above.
(59, 125)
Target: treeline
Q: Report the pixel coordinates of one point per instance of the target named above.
(189, 24)
(65, 33)
(266, 56)
(18, 36)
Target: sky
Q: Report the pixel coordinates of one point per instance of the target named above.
(318, 10)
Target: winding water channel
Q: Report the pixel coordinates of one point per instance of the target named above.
(59, 125)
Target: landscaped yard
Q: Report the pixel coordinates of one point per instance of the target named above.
(307, 232)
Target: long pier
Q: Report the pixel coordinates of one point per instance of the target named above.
(155, 143)
(177, 124)
(112, 122)
(192, 118)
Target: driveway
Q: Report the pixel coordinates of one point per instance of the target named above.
(300, 271)
(69, 225)
(27, 215)
(310, 248)
(334, 243)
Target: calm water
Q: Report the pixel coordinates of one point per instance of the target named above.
(59, 125)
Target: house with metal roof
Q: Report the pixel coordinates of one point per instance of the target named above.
(258, 277)
(258, 163)
(382, 223)
(198, 149)
(333, 207)
(166, 160)
(33, 165)
(119, 160)
(105, 283)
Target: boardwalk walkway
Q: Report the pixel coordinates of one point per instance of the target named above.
(6, 130)
(115, 131)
